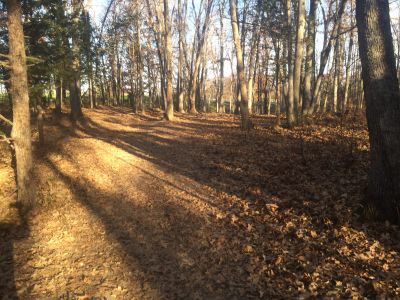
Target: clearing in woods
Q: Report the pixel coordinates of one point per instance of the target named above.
(134, 207)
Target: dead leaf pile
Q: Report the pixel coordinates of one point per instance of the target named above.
(134, 207)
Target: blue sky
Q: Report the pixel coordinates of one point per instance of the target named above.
(97, 7)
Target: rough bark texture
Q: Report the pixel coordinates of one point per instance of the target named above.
(382, 97)
(244, 109)
(21, 131)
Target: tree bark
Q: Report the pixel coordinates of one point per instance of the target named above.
(220, 105)
(75, 84)
(382, 97)
(255, 42)
(59, 96)
(244, 108)
(325, 56)
(348, 75)
(181, 30)
(21, 131)
(298, 55)
(310, 59)
(290, 97)
(169, 111)
(193, 85)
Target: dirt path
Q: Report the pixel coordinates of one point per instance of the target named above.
(138, 208)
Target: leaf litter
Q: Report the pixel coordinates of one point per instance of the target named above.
(133, 207)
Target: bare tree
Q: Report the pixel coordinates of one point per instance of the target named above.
(201, 38)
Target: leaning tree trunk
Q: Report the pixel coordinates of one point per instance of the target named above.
(244, 109)
(21, 131)
(382, 98)
(194, 83)
(348, 65)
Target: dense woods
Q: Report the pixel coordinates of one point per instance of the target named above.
(199, 149)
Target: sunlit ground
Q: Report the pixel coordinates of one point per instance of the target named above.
(133, 207)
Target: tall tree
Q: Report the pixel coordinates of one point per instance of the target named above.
(182, 8)
(169, 111)
(290, 93)
(21, 131)
(254, 53)
(301, 22)
(75, 82)
(310, 59)
(382, 98)
(201, 39)
(220, 105)
(244, 108)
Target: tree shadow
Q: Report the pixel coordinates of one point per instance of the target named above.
(266, 182)
(9, 234)
(163, 245)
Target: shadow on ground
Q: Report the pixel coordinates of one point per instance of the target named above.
(288, 222)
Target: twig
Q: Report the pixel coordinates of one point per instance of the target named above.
(5, 139)
(6, 120)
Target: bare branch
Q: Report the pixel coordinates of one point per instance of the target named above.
(6, 120)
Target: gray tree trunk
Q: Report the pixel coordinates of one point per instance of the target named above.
(382, 98)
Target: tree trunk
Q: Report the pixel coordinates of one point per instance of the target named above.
(193, 85)
(21, 131)
(324, 57)
(290, 97)
(255, 42)
(310, 59)
(348, 75)
(336, 74)
(75, 84)
(298, 55)
(277, 85)
(181, 30)
(169, 111)
(382, 97)
(244, 109)
(220, 105)
(59, 96)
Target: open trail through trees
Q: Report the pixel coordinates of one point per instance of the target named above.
(134, 207)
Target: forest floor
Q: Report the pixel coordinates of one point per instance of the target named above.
(134, 207)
